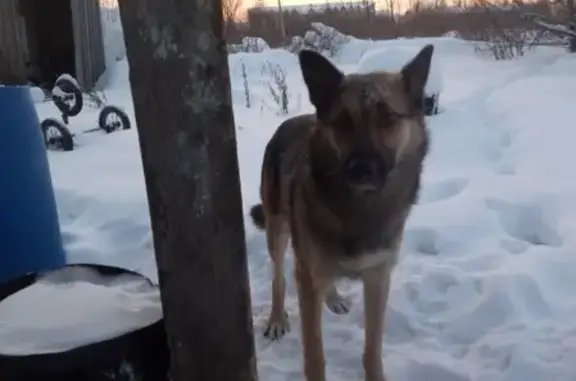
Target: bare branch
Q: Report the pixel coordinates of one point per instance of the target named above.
(230, 9)
(569, 29)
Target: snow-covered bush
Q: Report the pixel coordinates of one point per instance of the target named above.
(278, 86)
(502, 44)
(254, 45)
(296, 45)
(323, 39)
(249, 45)
(246, 86)
(452, 34)
(235, 48)
(263, 80)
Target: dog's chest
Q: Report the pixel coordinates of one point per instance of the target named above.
(354, 267)
(355, 249)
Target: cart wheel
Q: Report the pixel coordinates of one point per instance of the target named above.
(112, 118)
(67, 96)
(56, 135)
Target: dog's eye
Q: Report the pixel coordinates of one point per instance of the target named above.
(385, 115)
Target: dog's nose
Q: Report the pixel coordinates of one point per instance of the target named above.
(362, 170)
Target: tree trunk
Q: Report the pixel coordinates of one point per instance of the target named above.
(181, 91)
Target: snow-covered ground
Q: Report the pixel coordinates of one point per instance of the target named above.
(486, 286)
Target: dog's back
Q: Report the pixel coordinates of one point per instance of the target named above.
(279, 157)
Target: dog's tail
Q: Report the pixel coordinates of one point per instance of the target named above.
(258, 216)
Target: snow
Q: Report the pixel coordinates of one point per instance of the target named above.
(96, 308)
(484, 289)
(57, 91)
(393, 59)
(37, 94)
(69, 78)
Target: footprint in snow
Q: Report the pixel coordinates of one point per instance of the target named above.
(504, 168)
(503, 165)
(69, 238)
(424, 241)
(416, 370)
(442, 190)
(514, 246)
(526, 222)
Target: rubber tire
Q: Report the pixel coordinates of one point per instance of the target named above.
(145, 350)
(68, 87)
(107, 111)
(67, 139)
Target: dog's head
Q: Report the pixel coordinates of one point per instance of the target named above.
(371, 121)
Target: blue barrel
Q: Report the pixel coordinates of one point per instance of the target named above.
(30, 237)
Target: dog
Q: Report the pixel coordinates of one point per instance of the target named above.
(339, 185)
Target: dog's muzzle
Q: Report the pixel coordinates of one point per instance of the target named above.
(366, 171)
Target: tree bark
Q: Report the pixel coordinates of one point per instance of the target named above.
(181, 91)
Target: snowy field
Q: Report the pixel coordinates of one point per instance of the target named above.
(486, 286)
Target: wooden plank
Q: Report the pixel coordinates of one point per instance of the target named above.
(78, 42)
(98, 41)
(90, 61)
(86, 42)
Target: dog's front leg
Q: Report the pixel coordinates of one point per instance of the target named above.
(310, 299)
(376, 288)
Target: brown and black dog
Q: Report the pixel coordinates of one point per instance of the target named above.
(340, 184)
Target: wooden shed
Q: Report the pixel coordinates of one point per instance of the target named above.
(54, 37)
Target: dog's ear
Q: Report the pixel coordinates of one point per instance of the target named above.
(322, 79)
(415, 73)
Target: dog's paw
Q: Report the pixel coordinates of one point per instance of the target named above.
(277, 328)
(338, 304)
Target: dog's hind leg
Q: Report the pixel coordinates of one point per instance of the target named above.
(336, 302)
(277, 237)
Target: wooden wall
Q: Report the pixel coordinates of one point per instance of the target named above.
(13, 44)
(90, 58)
(86, 29)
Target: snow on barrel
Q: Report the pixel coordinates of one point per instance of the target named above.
(74, 307)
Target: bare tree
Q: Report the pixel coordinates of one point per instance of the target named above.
(230, 12)
(231, 9)
(281, 21)
(392, 7)
(561, 23)
(180, 86)
(502, 41)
